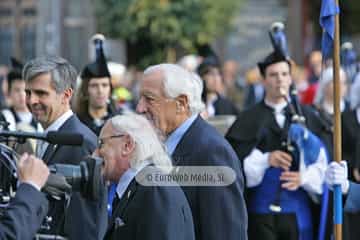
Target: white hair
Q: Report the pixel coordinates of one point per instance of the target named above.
(326, 78)
(178, 81)
(147, 144)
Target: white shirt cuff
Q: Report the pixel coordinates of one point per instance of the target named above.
(255, 165)
(313, 176)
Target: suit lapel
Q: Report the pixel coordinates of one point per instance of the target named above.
(52, 148)
(49, 153)
(183, 149)
(120, 208)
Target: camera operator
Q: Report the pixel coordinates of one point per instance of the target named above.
(23, 217)
(50, 84)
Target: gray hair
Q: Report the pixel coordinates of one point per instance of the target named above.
(178, 81)
(63, 74)
(326, 78)
(148, 145)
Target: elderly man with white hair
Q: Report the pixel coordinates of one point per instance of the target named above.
(170, 97)
(128, 144)
(324, 98)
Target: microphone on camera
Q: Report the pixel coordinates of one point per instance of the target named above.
(53, 137)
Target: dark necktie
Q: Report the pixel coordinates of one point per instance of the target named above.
(115, 203)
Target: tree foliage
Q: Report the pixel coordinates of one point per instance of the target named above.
(158, 27)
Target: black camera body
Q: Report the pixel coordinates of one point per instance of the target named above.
(63, 181)
(84, 178)
(64, 178)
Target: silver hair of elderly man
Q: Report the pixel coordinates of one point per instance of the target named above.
(148, 145)
(179, 81)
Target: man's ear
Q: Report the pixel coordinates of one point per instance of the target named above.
(68, 94)
(129, 145)
(182, 103)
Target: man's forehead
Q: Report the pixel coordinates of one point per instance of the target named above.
(41, 79)
(152, 82)
(279, 66)
(153, 76)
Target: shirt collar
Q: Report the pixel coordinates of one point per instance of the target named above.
(174, 138)
(60, 121)
(277, 107)
(127, 177)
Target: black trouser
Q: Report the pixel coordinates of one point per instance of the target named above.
(351, 229)
(273, 227)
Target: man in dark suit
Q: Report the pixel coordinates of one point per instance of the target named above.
(50, 84)
(170, 97)
(23, 217)
(129, 146)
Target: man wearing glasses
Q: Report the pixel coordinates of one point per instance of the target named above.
(141, 209)
(50, 84)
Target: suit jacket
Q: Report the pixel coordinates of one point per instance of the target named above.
(83, 218)
(218, 212)
(350, 140)
(352, 203)
(24, 215)
(151, 212)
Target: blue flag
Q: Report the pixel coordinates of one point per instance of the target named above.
(327, 21)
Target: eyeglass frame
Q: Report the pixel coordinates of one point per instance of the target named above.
(101, 141)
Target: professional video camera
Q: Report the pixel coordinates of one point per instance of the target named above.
(64, 178)
(84, 178)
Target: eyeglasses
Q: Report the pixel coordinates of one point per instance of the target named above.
(101, 141)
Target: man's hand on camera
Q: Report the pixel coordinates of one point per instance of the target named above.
(32, 170)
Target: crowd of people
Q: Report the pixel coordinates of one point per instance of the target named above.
(279, 148)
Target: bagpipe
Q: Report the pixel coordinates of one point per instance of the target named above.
(298, 137)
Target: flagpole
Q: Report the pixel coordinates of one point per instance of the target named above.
(337, 127)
